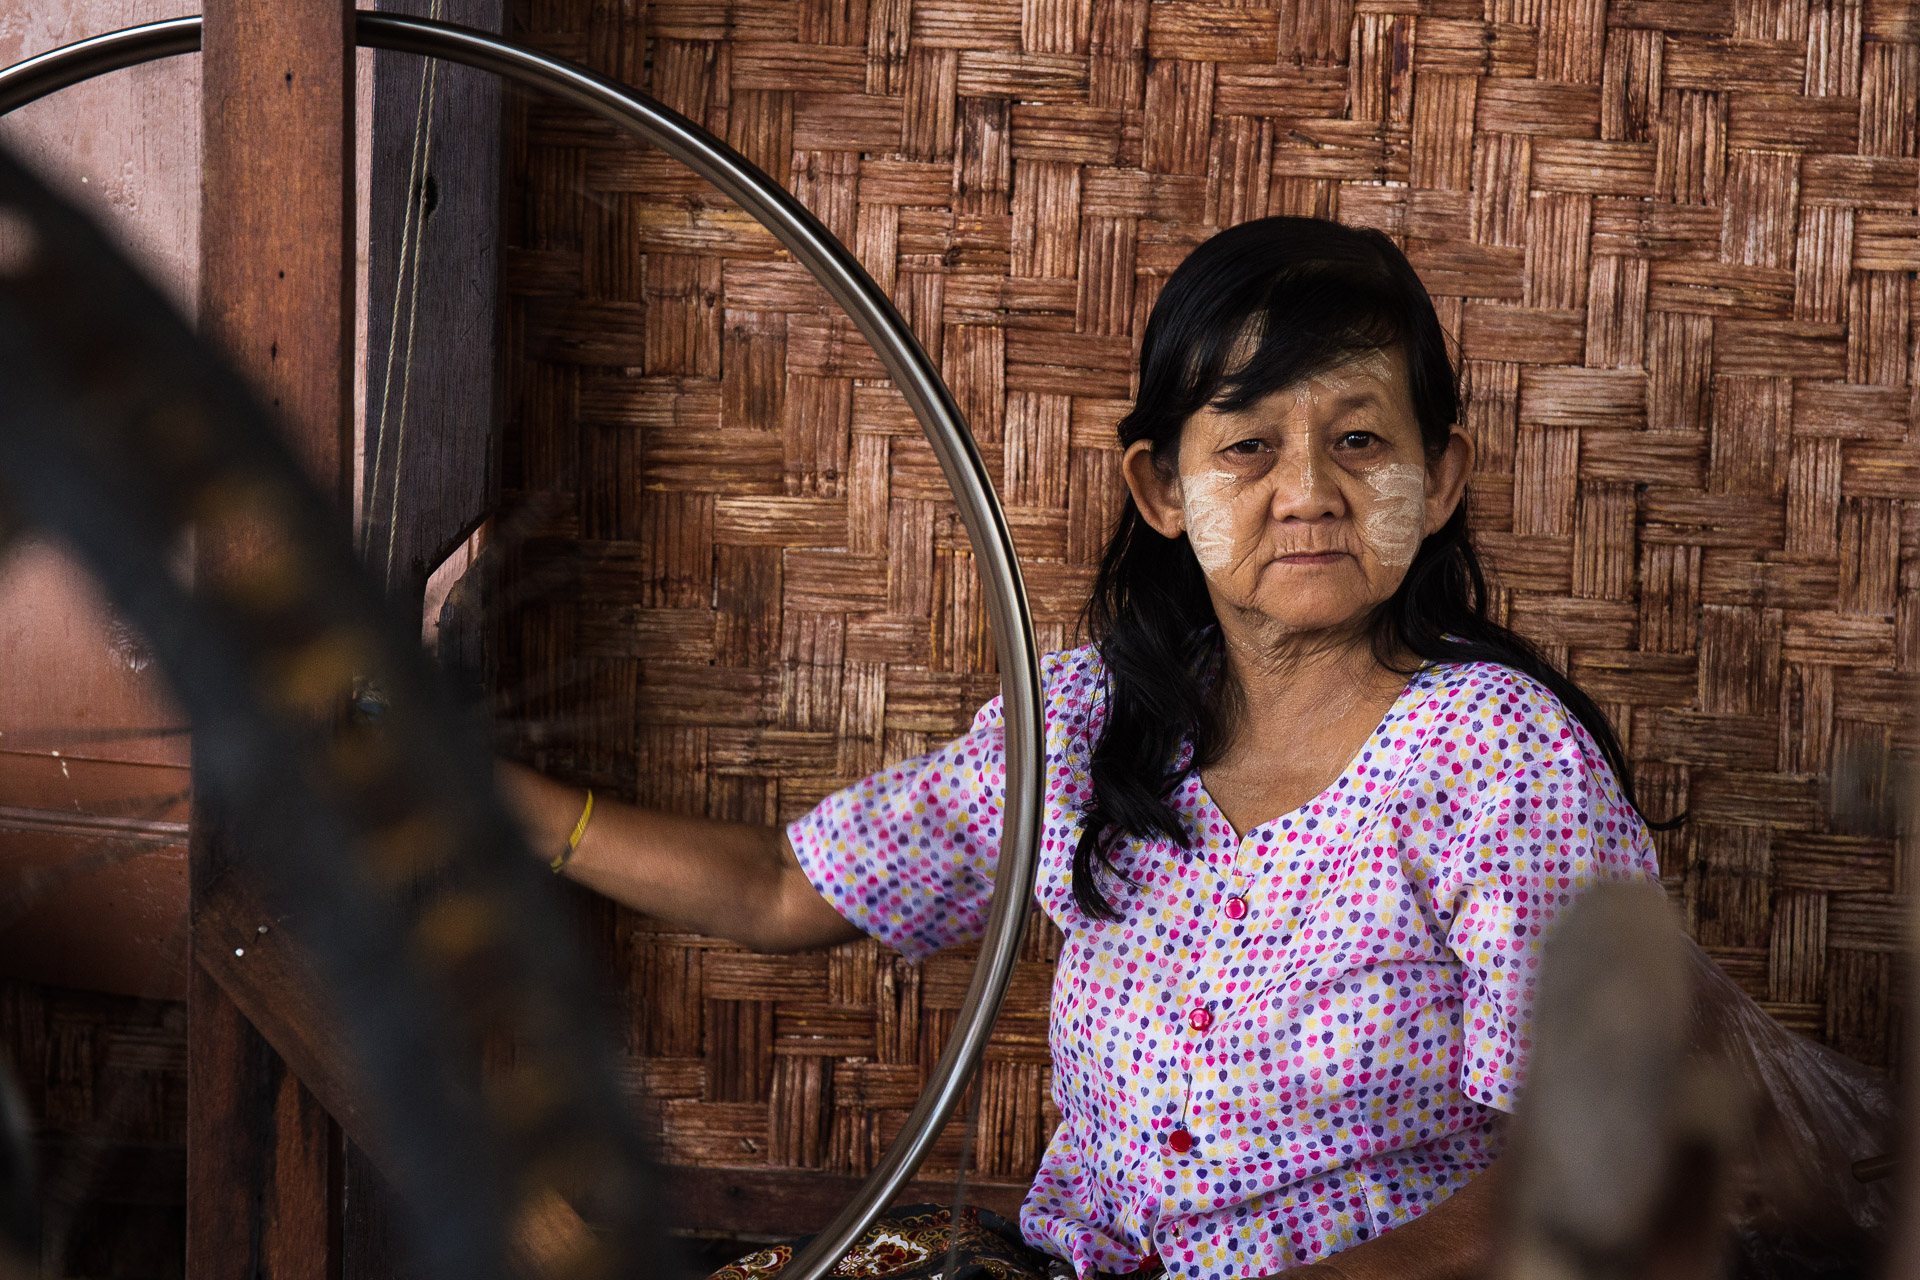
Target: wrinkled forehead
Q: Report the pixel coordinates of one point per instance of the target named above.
(1255, 343)
(1375, 373)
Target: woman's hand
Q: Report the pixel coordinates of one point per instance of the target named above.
(726, 879)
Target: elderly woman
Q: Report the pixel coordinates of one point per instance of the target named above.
(1309, 811)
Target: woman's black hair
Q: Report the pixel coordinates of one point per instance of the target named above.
(1313, 295)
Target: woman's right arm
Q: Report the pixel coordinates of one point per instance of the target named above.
(726, 879)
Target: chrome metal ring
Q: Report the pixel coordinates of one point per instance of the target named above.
(849, 285)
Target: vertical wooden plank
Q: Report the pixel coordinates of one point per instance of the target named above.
(261, 1153)
(276, 218)
(1739, 659)
(1093, 503)
(760, 127)
(1036, 455)
(1055, 26)
(1806, 717)
(276, 290)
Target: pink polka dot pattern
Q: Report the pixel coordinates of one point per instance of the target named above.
(1363, 1022)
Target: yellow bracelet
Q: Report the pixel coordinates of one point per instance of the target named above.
(573, 841)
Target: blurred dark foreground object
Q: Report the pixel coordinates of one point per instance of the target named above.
(426, 930)
(1672, 1130)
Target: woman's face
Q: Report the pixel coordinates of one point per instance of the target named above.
(1306, 508)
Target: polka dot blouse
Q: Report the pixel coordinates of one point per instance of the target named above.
(1290, 1041)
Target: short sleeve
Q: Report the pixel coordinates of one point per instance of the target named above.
(1542, 836)
(907, 855)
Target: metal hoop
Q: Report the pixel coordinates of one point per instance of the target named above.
(849, 285)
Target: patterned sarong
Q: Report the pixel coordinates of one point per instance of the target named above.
(913, 1243)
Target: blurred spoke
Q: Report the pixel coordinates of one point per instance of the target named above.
(60, 739)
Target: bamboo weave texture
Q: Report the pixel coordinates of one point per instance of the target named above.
(1676, 242)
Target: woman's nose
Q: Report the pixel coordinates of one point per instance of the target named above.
(1304, 487)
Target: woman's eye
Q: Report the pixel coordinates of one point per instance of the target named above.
(1246, 447)
(1355, 439)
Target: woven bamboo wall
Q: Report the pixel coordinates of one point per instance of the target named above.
(1676, 240)
(104, 1079)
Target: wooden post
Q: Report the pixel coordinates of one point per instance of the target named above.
(276, 291)
(276, 219)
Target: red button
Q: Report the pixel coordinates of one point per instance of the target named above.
(1200, 1019)
(1181, 1141)
(1236, 908)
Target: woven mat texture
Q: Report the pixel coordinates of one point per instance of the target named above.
(1676, 240)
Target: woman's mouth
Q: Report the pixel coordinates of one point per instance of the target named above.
(1305, 558)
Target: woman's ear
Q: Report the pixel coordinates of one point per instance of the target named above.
(1155, 488)
(1447, 479)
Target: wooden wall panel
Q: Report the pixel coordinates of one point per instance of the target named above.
(1674, 242)
(105, 1078)
(79, 697)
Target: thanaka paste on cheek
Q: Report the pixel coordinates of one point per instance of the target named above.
(1207, 500)
(1396, 524)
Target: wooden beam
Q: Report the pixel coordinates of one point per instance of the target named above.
(276, 292)
(263, 969)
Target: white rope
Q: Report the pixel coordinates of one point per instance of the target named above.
(413, 312)
(406, 280)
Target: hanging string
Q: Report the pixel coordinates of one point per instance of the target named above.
(406, 282)
(960, 1179)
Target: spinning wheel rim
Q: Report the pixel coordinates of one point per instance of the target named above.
(841, 275)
